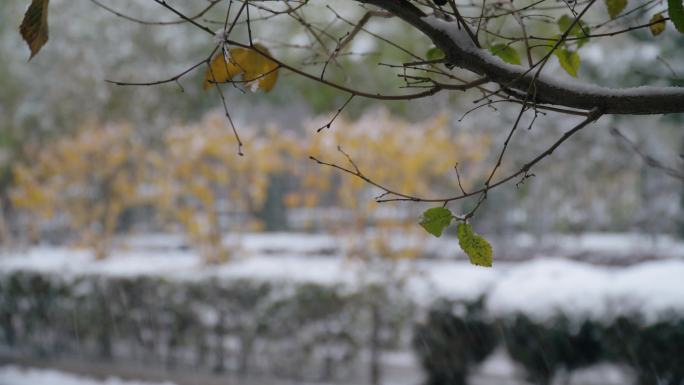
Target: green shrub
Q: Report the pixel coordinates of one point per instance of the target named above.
(544, 348)
(655, 351)
(450, 344)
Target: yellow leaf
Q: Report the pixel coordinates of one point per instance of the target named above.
(34, 27)
(256, 69)
(615, 7)
(221, 70)
(266, 69)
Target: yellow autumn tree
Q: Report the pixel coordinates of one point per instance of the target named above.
(410, 157)
(205, 186)
(197, 180)
(86, 180)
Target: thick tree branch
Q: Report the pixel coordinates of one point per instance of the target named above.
(462, 53)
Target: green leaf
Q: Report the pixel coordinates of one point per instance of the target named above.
(657, 24)
(434, 53)
(675, 8)
(615, 7)
(477, 248)
(435, 220)
(551, 43)
(580, 30)
(569, 60)
(506, 53)
(34, 27)
(564, 23)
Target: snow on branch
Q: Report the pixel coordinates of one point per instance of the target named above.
(462, 52)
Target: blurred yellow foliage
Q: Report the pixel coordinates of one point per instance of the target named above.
(90, 177)
(201, 178)
(194, 177)
(413, 158)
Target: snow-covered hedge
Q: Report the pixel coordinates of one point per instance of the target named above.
(308, 316)
(455, 337)
(304, 330)
(555, 315)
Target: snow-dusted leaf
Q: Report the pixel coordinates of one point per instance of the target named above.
(257, 70)
(435, 220)
(675, 9)
(657, 24)
(222, 70)
(506, 53)
(477, 248)
(569, 60)
(34, 27)
(615, 7)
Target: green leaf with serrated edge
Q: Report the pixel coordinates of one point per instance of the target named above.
(34, 27)
(506, 53)
(615, 7)
(477, 248)
(657, 24)
(434, 53)
(580, 30)
(675, 9)
(435, 220)
(569, 60)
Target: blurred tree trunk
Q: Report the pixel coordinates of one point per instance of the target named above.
(273, 213)
(680, 222)
(376, 323)
(220, 353)
(5, 238)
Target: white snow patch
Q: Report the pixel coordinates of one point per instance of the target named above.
(454, 31)
(13, 375)
(499, 364)
(545, 288)
(69, 262)
(653, 289)
(605, 374)
(251, 243)
(292, 243)
(621, 244)
(455, 280)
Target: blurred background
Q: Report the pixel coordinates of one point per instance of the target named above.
(137, 246)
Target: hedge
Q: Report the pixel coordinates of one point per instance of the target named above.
(293, 330)
(450, 343)
(310, 331)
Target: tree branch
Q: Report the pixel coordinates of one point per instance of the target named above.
(462, 53)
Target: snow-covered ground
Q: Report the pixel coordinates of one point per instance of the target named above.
(596, 246)
(498, 369)
(14, 375)
(540, 287)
